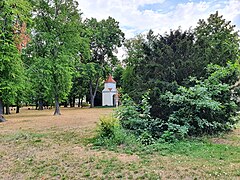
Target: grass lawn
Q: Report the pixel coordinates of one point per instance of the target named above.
(37, 145)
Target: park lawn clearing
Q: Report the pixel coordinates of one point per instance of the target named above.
(36, 145)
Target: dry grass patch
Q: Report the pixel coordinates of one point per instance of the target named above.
(37, 145)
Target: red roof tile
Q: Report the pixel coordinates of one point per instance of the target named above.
(110, 80)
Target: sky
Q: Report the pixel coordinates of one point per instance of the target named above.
(139, 16)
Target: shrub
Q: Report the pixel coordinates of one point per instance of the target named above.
(110, 133)
(108, 126)
(133, 117)
(207, 107)
(137, 119)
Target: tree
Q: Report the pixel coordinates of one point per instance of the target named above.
(39, 80)
(117, 74)
(135, 54)
(79, 90)
(208, 107)
(105, 36)
(191, 77)
(13, 15)
(92, 72)
(165, 62)
(216, 42)
(159, 63)
(57, 43)
(80, 86)
(79, 80)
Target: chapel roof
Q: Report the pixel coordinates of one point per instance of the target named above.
(110, 80)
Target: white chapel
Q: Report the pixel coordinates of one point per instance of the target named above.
(109, 93)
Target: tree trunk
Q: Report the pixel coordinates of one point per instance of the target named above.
(57, 107)
(7, 109)
(93, 94)
(1, 107)
(40, 104)
(36, 105)
(92, 101)
(2, 119)
(70, 101)
(79, 102)
(65, 104)
(73, 101)
(18, 109)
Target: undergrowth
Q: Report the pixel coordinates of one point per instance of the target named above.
(112, 136)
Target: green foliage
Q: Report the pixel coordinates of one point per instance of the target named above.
(12, 79)
(105, 37)
(158, 60)
(110, 132)
(137, 120)
(108, 125)
(117, 74)
(208, 107)
(165, 62)
(192, 77)
(56, 46)
(217, 41)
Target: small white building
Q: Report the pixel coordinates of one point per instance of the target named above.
(109, 93)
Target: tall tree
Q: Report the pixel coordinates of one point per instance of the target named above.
(13, 14)
(135, 54)
(117, 74)
(57, 44)
(163, 62)
(217, 42)
(79, 80)
(158, 62)
(105, 36)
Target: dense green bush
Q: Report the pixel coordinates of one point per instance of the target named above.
(137, 119)
(205, 108)
(132, 116)
(186, 94)
(208, 107)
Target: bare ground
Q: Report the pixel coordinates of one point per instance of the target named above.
(38, 145)
(44, 120)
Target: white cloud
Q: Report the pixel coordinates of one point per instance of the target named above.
(134, 20)
(231, 11)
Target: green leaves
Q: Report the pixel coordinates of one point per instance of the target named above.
(56, 46)
(12, 80)
(195, 74)
(217, 40)
(104, 37)
(207, 107)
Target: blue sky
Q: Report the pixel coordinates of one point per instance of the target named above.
(138, 16)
